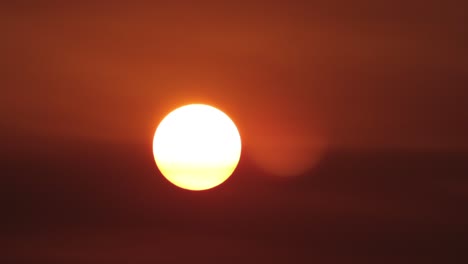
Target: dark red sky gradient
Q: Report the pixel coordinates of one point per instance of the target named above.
(106, 203)
(364, 74)
(371, 95)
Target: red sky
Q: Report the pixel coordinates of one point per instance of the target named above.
(83, 87)
(354, 75)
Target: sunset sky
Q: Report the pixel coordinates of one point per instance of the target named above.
(365, 74)
(368, 98)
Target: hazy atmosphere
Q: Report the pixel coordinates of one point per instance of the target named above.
(353, 118)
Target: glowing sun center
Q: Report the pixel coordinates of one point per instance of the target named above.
(197, 147)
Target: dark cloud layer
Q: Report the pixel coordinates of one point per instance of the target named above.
(105, 203)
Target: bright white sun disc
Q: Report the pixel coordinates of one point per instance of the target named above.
(197, 147)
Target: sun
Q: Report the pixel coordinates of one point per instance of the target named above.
(197, 147)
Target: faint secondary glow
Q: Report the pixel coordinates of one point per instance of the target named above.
(286, 156)
(283, 146)
(197, 147)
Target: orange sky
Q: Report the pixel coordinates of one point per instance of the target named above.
(315, 87)
(334, 73)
